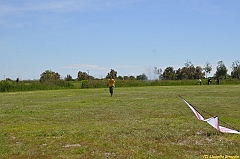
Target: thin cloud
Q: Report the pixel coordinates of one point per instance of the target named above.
(127, 66)
(61, 6)
(31, 6)
(84, 66)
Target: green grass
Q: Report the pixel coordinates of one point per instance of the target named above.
(137, 122)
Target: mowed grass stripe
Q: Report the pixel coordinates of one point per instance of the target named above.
(137, 122)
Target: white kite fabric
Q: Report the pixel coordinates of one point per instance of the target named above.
(213, 121)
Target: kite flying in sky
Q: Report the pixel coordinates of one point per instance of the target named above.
(213, 121)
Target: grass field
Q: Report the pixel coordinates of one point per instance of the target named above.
(137, 122)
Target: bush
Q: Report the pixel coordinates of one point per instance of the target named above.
(7, 85)
(136, 83)
(141, 83)
(12, 86)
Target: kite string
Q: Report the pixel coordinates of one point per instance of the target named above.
(210, 115)
(213, 116)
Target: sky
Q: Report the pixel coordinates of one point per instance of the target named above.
(130, 36)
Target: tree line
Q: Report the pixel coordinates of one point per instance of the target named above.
(167, 77)
(187, 72)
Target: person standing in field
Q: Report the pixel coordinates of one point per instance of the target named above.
(111, 85)
(200, 81)
(218, 81)
(209, 81)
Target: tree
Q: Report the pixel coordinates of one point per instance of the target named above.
(179, 75)
(169, 73)
(184, 72)
(82, 76)
(221, 70)
(158, 72)
(188, 64)
(112, 73)
(207, 68)
(125, 77)
(68, 78)
(188, 71)
(235, 70)
(132, 78)
(120, 77)
(49, 77)
(8, 79)
(191, 74)
(142, 77)
(198, 73)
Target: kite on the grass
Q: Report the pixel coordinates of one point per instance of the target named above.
(213, 121)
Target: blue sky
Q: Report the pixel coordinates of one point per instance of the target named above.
(129, 36)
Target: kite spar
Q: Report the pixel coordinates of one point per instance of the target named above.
(213, 121)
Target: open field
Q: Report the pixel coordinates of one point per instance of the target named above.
(137, 122)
